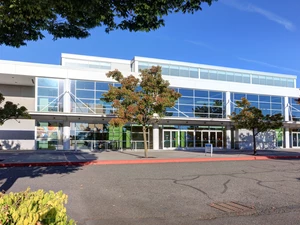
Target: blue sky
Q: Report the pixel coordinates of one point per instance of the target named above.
(259, 35)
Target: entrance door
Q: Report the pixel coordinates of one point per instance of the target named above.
(296, 139)
(170, 139)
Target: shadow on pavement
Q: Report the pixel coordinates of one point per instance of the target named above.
(9, 175)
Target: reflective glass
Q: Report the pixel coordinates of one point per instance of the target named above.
(276, 99)
(201, 101)
(102, 86)
(85, 85)
(290, 83)
(283, 82)
(213, 75)
(47, 82)
(276, 81)
(276, 106)
(239, 96)
(264, 106)
(252, 97)
(254, 104)
(174, 70)
(194, 73)
(238, 78)
(99, 94)
(48, 92)
(262, 80)
(264, 98)
(186, 92)
(214, 94)
(266, 112)
(165, 69)
(221, 76)
(201, 109)
(204, 74)
(229, 76)
(85, 94)
(269, 81)
(276, 112)
(246, 78)
(255, 79)
(203, 94)
(186, 108)
(184, 72)
(184, 100)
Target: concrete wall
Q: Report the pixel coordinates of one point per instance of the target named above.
(18, 135)
(23, 95)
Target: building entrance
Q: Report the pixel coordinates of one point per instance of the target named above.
(191, 139)
(296, 139)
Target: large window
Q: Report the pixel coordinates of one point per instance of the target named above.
(198, 103)
(86, 97)
(50, 95)
(269, 105)
(294, 112)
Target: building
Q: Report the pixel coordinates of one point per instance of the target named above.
(67, 113)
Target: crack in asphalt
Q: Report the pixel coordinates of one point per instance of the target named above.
(225, 186)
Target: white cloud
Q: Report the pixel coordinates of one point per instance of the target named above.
(269, 65)
(267, 14)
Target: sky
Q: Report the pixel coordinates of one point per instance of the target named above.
(258, 35)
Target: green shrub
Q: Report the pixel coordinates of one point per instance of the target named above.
(34, 208)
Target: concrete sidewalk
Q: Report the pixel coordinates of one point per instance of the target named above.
(81, 158)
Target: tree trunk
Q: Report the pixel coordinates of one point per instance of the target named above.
(145, 141)
(254, 142)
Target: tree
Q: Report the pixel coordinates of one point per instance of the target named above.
(252, 118)
(11, 111)
(22, 21)
(140, 100)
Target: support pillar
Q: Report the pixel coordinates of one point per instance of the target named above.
(155, 136)
(228, 137)
(228, 104)
(286, 109)
(287, 138)
(67, 98)
(66, 135)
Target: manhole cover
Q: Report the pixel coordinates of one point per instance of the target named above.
(231, 207)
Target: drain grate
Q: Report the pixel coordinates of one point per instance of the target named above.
(231, 207)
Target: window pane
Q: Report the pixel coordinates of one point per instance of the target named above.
(84, 94)
(252, 97)
(221, 75)
(85, 85)
(46, 82)
(174, 70)
(229, 76)
(269, 81)
(290, 82)
(238, 78)
(186, 108)
(165, 69)
(184, 72)
(48, 92)
(283, 82)
(255, 79)
(264, 106)
(254, 104)
(186, 92)
(239, 96)
(213, 75)
(193, 72)
(204, 74)
(214, 94)
(201, 101)
(201, 93)
(276, 106)
(277, 81)
(262, 80)
(99, 94)
(263, 98)
(276, 99)
(184, 100)
(102, 86)
(246, 78)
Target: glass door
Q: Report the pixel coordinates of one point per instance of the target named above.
(170, 140)
(296, 139)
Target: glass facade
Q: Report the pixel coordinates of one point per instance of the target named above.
(230, 76)
(294, 112)
(269, 105)
(50, 95)
(198, 103)
(49, 135)
(86, 95)
(171, 70)
(103, 136)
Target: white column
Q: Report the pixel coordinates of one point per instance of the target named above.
(228, 137)
(287, 138)
(67, 99)
(66, 135)
(155, 137)
(228, 104)
(286, 109)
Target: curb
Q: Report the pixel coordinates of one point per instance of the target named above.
(145, 161)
